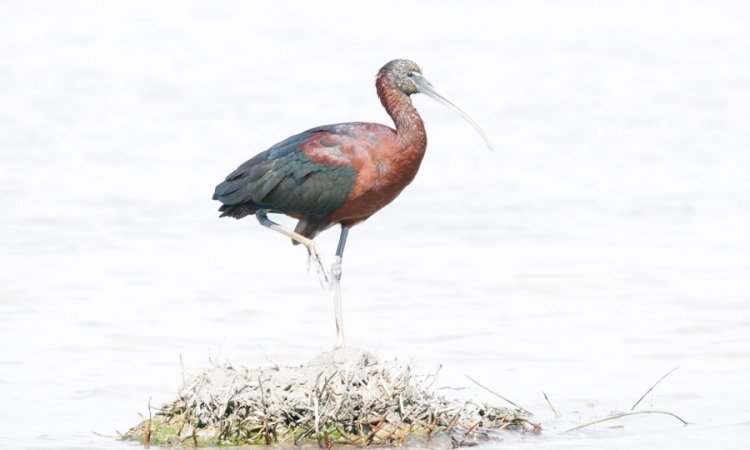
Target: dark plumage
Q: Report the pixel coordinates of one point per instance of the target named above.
(283, 179)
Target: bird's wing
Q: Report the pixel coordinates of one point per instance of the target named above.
(286, 179)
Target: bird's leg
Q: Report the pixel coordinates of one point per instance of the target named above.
(312, 247)
(336, 287)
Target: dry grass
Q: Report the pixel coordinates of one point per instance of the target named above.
(341, 397)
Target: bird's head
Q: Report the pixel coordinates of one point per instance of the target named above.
(407, 77)
(400, 72)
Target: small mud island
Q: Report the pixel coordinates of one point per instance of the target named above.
(345, 396)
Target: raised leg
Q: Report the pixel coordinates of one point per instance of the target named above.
(336, 286)
(312, 247)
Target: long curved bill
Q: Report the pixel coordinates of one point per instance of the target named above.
(425, 87)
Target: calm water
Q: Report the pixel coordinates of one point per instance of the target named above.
(604, 242)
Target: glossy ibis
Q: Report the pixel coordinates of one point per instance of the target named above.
(337, 174)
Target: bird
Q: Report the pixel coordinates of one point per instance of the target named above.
(337, 174)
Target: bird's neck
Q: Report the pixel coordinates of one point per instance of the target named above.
(410, 132)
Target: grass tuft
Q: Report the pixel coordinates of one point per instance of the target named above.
(345, 396)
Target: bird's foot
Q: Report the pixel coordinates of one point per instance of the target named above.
(315, 258)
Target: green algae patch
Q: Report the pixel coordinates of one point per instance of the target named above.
(346, 396)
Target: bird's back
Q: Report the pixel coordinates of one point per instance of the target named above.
(309, 175)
